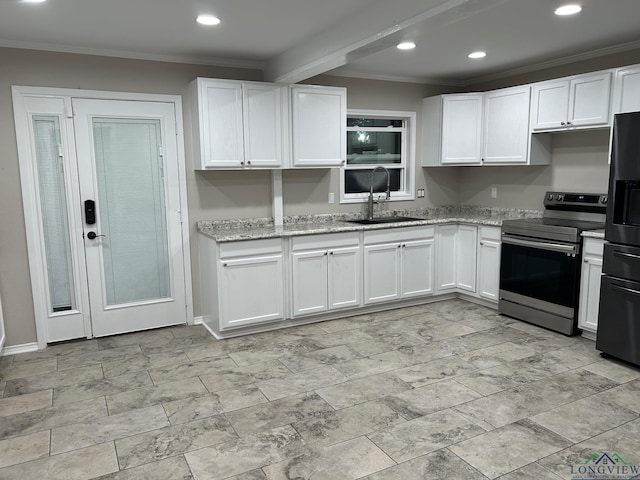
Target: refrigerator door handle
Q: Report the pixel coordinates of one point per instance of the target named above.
(626, 255)
(625, 289)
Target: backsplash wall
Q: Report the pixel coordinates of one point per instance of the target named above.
(579, 163)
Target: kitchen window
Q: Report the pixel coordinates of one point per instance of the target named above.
(378, 138)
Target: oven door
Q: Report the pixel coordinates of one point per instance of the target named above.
(540, 274)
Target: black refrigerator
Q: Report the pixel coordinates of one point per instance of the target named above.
(619, 314)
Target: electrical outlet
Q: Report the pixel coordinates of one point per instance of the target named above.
(494, 192)
(332, 198)
(421, 193)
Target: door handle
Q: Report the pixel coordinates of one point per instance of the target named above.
(627, 255)
(625, 289)
(94, 235)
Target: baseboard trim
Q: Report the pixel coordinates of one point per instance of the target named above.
(17, 349)
(198, 320)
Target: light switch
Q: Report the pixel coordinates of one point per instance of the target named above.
(332, 198)
(421, 193)
(494, 192)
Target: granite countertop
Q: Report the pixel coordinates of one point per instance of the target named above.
(252, 229)
(593, 234)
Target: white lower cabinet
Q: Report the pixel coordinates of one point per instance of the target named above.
(242, 283)
(466, 242)
(489, 263)
(326, 273)
(446, 264)
(590, 284)
(398, 263)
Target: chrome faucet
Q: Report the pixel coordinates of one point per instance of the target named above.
(388, 191)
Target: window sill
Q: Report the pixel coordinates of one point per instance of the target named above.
(401, 197)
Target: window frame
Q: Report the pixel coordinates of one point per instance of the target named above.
(407, 163)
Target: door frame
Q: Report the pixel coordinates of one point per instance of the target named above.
(29, 184)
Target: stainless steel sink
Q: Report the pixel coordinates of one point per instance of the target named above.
(375, 221)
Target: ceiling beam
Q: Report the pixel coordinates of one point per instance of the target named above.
(377, 27)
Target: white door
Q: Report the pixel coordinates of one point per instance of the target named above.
(262, 114)
(135, 267)
(506, 125)
(261, 275)
(345, 277)
(589, 99)
(123, 156)
(309, 282)
(550, 101)
(466, 242)
(417, 267)
(489, 265)
(626, 94)
(381, 273)
(462, 129)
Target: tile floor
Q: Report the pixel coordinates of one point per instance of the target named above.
(446, 390)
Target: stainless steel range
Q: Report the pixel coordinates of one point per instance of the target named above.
(541, 260)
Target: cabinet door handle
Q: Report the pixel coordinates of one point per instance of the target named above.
(569, 123)
(248, 162)
(326, 253)
(224, 264)
(628, 255)
(562, 123)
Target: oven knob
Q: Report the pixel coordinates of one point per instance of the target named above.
(560, 198)
(604, 199)
(551, 196)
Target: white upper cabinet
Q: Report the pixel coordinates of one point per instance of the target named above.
(580, 101)
(238, 124)
(462, 129)
(506, 125)
(626, 90)
(489, 128)
(319, 119)
(263, 115)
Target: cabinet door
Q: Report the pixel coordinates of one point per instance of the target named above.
(309, 282)
(446, 257)
(489, 269)
(550, 101)
(221, 123)
(263, 124)
(462, 129)
(589, 100)
(319, 120)
(251, 291)
(466, 242)
(506, 125)
(345, 277)
(381, 273)
(417, 267)
(590, 293)
(626, 92)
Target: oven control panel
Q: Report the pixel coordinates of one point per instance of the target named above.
(594, 202)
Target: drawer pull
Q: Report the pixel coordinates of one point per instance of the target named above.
(627, 255)
(625, 289)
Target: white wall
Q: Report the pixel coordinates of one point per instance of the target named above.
(579, 163)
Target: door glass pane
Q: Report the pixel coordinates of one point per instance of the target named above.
(131, 209)
(55, 221)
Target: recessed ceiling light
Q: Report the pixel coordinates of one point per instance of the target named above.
(570, 9)
(406, 46)
(33, 1)
(477, 54)
(208, 20)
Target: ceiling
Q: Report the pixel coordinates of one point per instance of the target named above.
(291, 40)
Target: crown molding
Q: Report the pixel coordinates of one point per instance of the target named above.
(600, 52)
(210, 61)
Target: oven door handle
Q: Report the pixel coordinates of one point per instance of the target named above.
(556, 247)
(625, 289)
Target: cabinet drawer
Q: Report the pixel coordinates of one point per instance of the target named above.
(593, 246)
(250, 247)
(399, 234)
(332, 240)
(490, 233)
